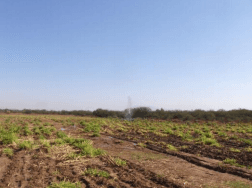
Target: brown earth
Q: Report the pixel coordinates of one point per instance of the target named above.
(242, 157)
(146, 167)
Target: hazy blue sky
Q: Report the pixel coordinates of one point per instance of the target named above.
(89, 54)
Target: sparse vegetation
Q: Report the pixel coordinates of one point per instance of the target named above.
(38, 136)
(96, 172)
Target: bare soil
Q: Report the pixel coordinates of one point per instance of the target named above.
(242, 157)
(150, 167)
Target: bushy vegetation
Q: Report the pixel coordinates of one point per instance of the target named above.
(237, 115)
(240, 115)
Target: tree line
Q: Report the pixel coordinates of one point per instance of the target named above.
(243, 115)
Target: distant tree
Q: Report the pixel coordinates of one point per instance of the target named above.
(142, 112)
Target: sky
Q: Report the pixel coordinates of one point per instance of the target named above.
(89, 54)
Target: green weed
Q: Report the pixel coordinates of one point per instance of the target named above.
(61, 134)
(26, 144)
(235, 150)
(141, 145)
(95, 172)
(65, 184)
(27, 131)
(171, 147)
(232, 162)
(8, 137)
(8, 151)
(120, 162)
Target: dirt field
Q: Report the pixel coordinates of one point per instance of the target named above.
(66, 151)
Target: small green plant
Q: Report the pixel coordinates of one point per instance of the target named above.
(46, 124)
(45, 130)
(36, 130)
(45, 143)
(92, 127)
(232, 162)
(209, 141)
(61, 134)
(41, 137)
(141, 145)
(248, 149)
(247, 141)
(235, 150)
(168, 131)
(184, 147)
(73, 155)
(27, 131)
(120, 162)
(26, 144)
(65, 184)
(171, 147)
(8, 151)
(95, 172)
(220, 133)
(85, 146)
(56, 172)
(59, 141)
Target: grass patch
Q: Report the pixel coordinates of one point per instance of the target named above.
(8, 152)
(171, 147)
(247, 141)
(235, 150)
(120, 162)
(8, 137)
(85, 146)
(232, 162)
(65, 184)
(26, 144)
(248, 149)
(91, 127)
(61, 134)
(96, 172)
(27, 131)
(238, 184)
(59, 141)
(141, 145)
(209, 141)
(168, 131)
